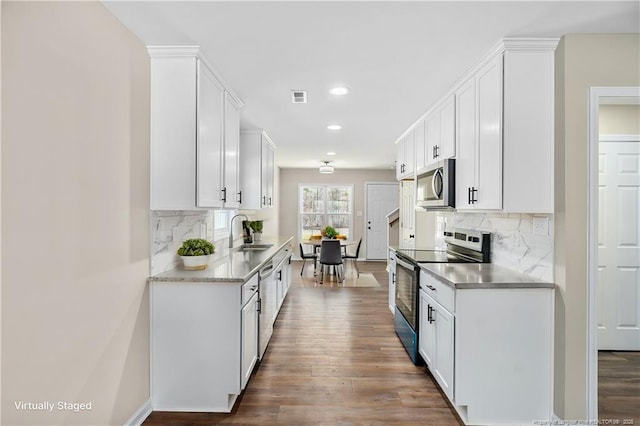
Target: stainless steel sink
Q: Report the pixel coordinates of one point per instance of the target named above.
(255, 247)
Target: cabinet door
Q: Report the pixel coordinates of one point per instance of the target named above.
(407, 213)
(444, 349)
(231, 153)
(400, 166)
(249, 338)
(420, 146)
(465, 105)
(427, 335)
(489, 137)
(433, 136)
(267, 173)
(392, 281)
(409, 154)
(174, 103)
(447, 147)
(210, 160)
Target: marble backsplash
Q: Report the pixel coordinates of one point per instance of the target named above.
(514, 244)
(169, 229)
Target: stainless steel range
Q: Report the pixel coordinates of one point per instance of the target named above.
(463, 246)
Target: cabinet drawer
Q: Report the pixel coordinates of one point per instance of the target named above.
(249, 288)
(439, 291)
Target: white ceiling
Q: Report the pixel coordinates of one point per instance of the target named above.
(397, 58)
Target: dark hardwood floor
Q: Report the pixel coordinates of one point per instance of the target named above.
(619, 386)
(333, 359)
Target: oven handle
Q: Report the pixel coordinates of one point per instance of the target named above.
(401, 262)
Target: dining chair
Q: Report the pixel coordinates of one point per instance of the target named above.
(354, 257)
(307, 256)
(331, 255)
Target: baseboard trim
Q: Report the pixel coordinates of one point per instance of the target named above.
(556, 420)
(140, 415)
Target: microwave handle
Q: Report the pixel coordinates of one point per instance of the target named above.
(437, 176)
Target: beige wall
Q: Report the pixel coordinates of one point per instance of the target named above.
(619, 120)
(291, 178)
(75, 197)
(582, 61)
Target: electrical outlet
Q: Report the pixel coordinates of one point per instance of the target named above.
(541, 226)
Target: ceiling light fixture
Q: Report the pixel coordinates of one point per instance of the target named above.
(339, 91)
(326, 168)
(331, 153)
(334, 127)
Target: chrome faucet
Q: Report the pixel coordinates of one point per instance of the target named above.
(231, 228)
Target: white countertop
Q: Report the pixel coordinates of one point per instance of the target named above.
(481, 275)
(238, 266)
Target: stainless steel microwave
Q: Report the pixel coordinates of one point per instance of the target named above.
(436, 187)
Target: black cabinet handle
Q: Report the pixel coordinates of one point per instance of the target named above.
(469, 195)
(269, 200)
(240, 197)
(264, 200)
(411, 236)
(430, 287)
(430, 317)
(279, 275)
(473, 195)
(259, 306)
(224, 195)
(437, 149)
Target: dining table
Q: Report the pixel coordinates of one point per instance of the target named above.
(317, 242)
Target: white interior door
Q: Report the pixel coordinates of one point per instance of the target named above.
(619, 246)
(382, 198)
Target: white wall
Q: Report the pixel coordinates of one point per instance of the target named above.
(75, 213)
(582, 61)
(291, 178)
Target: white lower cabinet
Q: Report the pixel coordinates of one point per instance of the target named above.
(249, 338)
(489, 349)
(435, 342)
(391, 267)
(204, 343)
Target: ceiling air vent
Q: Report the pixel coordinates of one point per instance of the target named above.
(299, 96)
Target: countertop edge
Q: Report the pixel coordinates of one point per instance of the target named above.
(534, 284)
(223, 280)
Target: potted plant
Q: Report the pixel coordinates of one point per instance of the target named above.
(256, 227)
(196, 253)
(330, 232)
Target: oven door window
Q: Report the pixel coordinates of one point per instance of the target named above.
(430, 186)
(406, 293)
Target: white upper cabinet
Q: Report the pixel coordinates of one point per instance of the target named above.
(209, 140)
(232, 192)
(528, 128)
(440, 141)
(505, 130)
(257, 171)
(194, 133)
(498, 123)
(405, 156)
(420, 144)
(479, 119)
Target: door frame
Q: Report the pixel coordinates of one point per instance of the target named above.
(596, 94)
(366, 215)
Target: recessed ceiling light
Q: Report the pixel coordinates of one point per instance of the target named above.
(339, 91)
(331, 153)
(334, 127)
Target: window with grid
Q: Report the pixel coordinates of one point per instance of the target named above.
(325, 205)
